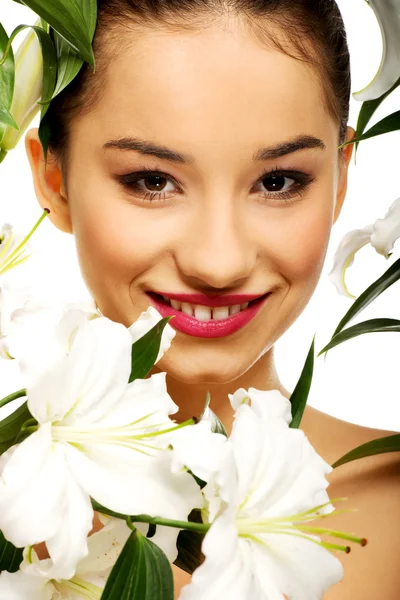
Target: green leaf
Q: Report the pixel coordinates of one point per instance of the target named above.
(67, 18)
(371, 326)
(367, 110)
(69, 61)
(370, 294)
(386, 125)
(7, 79)
(145, 351)
(189, 546)
(390, 443)
(10, 556)
(299, 396)
(11, 426)
(142, 572)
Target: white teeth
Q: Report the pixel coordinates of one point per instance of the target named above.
(206, 313)
(175, 304)
(221, 312)
(202, 313)
(233, 310)
(187, 309)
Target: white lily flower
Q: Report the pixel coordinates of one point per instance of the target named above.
(92, 572)
(381, 235)
(388, 14)
(271, 484)
(97, 437)
(27, 88)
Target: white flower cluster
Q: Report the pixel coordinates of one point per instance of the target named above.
(95, 436)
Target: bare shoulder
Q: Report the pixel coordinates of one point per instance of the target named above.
(372, 486)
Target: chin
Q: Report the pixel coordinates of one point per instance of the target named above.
(204, 372)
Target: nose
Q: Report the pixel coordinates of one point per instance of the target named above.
(218, 250)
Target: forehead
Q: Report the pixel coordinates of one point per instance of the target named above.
(209, 86)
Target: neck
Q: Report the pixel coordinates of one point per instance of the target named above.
(191, 397)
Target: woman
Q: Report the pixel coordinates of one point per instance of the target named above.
(198, 169)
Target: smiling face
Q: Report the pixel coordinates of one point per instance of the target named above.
(212, 218)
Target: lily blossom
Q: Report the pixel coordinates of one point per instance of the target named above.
(90, 578)
(146, 321)
(388, 14)
(98, 437)
(381, 235)
(271, 484)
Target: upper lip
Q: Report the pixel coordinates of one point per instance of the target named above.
(228, 300)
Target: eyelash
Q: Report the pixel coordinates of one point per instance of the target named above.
(303, 180)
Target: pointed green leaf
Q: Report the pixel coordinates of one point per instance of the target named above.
(391, 443)
(10, 556)
(7, 76)
(69, 61)
(299, 396)
(367, 110)
(142, 572)
(370, 294)
(145, 351)
(371, 326)
(189, 546)
(386, 125)
(67, 18)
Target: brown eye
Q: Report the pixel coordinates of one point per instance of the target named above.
(148, 184)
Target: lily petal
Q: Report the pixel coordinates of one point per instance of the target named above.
(28, 515)
(344, 256)
(147, 320)
(20, 586)
(296, 567)
(225, 572)
(387, 230)
(96, 383)
(197, 448)
(388, 15)
(104, 547)
(130, 482)
(267, 404)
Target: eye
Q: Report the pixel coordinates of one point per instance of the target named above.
(148, 184)
(284, 185)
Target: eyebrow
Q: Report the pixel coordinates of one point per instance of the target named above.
(301, 142)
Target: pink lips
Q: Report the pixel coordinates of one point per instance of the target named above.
(208, 329)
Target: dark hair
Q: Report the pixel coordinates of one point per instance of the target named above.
(314, 29)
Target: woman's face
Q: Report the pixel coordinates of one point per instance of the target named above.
(217, 221)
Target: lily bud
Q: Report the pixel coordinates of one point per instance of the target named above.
(381, 235)
(27, 89)
(388, 14)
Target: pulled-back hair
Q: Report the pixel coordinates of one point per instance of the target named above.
(311, 31)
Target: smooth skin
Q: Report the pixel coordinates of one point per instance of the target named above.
(219, 95)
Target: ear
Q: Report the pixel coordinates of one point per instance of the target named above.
(48, 182)
(343, 172)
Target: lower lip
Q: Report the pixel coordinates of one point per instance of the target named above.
(208, 329)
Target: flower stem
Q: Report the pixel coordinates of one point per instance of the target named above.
(188, 525)
(13, 396)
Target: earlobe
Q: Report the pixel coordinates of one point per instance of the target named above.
(48, 182)
(343, 173)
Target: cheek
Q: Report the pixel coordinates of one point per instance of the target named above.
(115, 240)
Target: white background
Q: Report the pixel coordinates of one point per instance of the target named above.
(358, 381)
